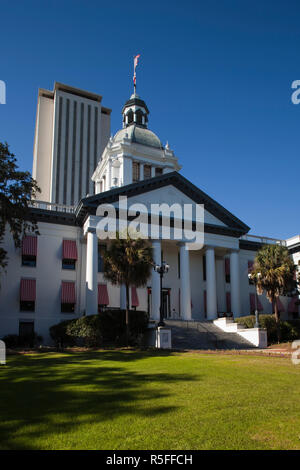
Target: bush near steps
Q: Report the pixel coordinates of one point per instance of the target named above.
(108, 327)
(289, 329)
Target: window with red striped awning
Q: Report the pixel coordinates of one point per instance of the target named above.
(29, 245)
(134, 297)
(28, 290)
(68, 294)
(103, 298)
(293, 306)
(227, 266)
(280, 306)
(252, 303)
(69, 249)
(250, 266)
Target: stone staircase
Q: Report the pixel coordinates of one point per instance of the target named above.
(204, 335)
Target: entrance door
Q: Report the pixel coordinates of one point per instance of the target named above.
(166, 304)
(166, 307)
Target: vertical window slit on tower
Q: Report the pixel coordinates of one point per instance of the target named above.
(88, 171)
(81, 151)
(96, 137)
(73, 152)
(66, 154)
(58, 154)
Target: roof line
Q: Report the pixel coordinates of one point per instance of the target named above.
(159, 181)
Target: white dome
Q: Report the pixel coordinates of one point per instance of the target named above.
(139, 135)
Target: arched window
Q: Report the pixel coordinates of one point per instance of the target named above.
(130, 116)
(139, 117)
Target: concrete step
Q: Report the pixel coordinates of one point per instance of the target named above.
(204, 335)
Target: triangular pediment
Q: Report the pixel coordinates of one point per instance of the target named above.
(169, 195)
(169, 188)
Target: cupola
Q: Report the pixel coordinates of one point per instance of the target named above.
(135, 111)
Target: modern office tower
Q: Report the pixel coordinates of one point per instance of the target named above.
(72, 130)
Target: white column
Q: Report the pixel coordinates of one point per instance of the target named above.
(91, 273)
(127, 170)
(123, 297)
(109, 175)
(155, 281)
(211, 290)
(235, 283)
(141, 171)
(185, 285)
(152, 171)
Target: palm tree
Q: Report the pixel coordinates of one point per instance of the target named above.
(273, 272)
(128, 261)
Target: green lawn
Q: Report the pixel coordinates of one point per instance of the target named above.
(149, 400)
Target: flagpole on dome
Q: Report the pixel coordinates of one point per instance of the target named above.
(135, 63)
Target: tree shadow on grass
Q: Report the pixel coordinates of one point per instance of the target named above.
(47, 395)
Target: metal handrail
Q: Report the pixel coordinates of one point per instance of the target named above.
(210, 334)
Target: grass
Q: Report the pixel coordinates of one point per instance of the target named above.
(148, 400)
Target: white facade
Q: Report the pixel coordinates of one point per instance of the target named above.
(200, 285)
(185, 281)
(72, 130)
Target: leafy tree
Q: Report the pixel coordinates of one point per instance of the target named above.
(274, 273)
(128, 261)
(16, 190)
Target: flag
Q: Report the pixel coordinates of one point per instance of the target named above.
(135, 62)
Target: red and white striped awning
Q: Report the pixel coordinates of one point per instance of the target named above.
(29, 245)
(28, 290)
(252, 303)
(103, 298)
(280, 306)
(134, 297)
(250, 266)
(293, 307)
(69, 249)
(68, 294)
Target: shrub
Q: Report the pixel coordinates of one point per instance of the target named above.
(93, 330)
(11, 341)
(88, 328)
(113, 325)
(289, 330)
(59, 334)
(27, 341)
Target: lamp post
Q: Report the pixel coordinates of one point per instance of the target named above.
(258, 276)
(161, 270)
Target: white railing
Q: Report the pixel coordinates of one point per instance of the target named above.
(265, 240)
(51, 206)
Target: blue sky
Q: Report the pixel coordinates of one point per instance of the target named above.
(216, 76)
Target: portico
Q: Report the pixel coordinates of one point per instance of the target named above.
(203, 298)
